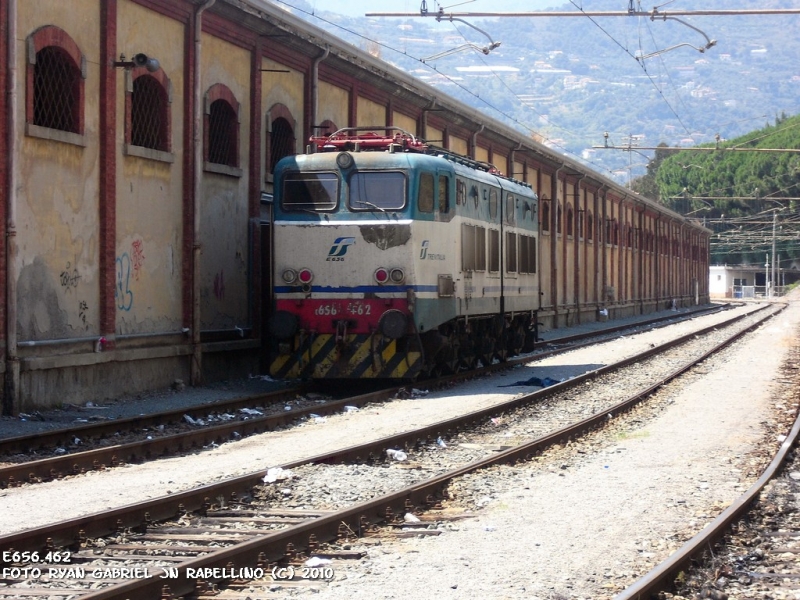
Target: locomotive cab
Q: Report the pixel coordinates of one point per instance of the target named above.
(371, 274)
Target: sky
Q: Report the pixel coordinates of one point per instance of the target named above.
(361, 7)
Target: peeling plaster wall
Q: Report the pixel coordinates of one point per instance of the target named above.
(370, 113)
(149, 192)
(57, 195)
(224, 228)
(458, 145)
(333, 103)
(405, 122)
(286, 89)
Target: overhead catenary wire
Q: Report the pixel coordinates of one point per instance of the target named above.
(552, 143)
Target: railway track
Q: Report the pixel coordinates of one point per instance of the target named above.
(752, 549)
(195, 428)
(226, 506)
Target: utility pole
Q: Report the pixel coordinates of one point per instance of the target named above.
(774, 223)
(767, 292)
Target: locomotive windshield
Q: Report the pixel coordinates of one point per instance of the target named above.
(385, 190)
(310, 191)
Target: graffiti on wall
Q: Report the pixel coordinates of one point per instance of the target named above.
(219, 285)
(122, 292)
(83, 309)
(137, 257)
(70, 277)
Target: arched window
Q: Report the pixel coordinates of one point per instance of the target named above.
(580, 223)
(221, 127)
(570, 220)
(147, 111)
(280, 138)
(545, 216)
(327, 127)
(589, 227)
(558, 219)
(55, 81)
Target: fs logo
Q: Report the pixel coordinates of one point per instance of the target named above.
(339, 248)
(424, 252)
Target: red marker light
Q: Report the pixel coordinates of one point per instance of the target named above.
(305, 276)
(381, 275)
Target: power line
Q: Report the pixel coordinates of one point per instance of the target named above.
(654, 14)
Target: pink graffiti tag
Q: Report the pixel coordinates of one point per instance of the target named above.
(219, 285)
(137, 256)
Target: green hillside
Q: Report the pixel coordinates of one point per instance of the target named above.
(739, 190)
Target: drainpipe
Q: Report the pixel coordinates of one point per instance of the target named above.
(604, 256)
(554, 244)
(475, 144)
(315, 85)
(11, 391)
(510, 166)
(657, 252)
(598, 232)
(576, 237)
(197, 350)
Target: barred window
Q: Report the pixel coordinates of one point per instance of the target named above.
(149, 122)
(558, 219)
(56, 90)
(223, 134)
(589, 227)
(546, 216)
(570, 220)
(281, 141)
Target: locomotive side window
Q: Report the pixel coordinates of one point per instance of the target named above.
(444, 195)
(473, 248)
(425, 200)
(493, 204)
(467, 247)
(385, 190)
(524, 257)
(310, 191)
(527, 254)
(480, 249)
(511, 252)
(494, 251)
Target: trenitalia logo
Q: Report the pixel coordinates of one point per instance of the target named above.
(424, 252)
(339, 248)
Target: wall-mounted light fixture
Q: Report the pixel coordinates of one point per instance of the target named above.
(139, 60)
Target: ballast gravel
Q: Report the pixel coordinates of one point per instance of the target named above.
(586, 521)
(576, 530)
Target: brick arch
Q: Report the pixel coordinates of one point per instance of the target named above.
(220, 91)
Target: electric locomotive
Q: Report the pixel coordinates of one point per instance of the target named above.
(393, 258)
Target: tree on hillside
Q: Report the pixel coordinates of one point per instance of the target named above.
(646, 184)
